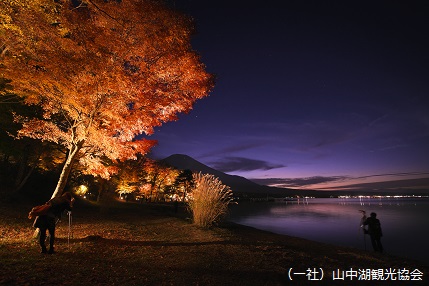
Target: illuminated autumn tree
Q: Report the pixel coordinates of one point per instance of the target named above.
(129, 178)
(185, 182)
(103, 72)
(159, 177)
(145, 177)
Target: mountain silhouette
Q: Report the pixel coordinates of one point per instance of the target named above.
(239, 185)
(244, 187)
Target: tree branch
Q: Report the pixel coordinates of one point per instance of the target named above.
(105, 13)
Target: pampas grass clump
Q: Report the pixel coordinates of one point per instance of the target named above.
(209, 199)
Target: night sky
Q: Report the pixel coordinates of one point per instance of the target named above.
(309, 94)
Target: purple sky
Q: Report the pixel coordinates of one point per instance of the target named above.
(309, 93)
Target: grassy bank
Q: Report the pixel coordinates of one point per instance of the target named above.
(128, 244)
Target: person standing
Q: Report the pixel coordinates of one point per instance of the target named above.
(48, 221)
(374, 231)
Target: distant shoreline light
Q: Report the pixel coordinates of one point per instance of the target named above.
(381, 197)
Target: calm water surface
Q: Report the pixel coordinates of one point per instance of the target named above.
(405, 222)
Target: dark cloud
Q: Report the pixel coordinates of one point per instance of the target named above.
(422, 184)
(232, 149)
(298, 182)
(309, 181)
(231, 164)
(394, 175)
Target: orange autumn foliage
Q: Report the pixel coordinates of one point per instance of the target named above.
(104, 73)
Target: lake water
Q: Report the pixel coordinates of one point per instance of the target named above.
(404, 221)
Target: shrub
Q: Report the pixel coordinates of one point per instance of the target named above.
(209, 199)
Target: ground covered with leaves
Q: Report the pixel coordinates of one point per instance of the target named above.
(147, 244)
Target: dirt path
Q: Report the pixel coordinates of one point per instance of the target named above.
(140, 245)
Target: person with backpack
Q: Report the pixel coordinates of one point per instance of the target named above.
(374, 231)
(48, 221)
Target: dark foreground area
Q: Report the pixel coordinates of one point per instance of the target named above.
(132, 244)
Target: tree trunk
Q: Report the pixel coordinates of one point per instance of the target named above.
(19, 185)
(100, 189)
(185, 191)
(68, 165)
(150, 196)
(22, 166)
(22, 175)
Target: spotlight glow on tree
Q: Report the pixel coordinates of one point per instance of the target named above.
(103, 72)
(209, 199)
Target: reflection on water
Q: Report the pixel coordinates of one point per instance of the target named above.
(337, 221)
